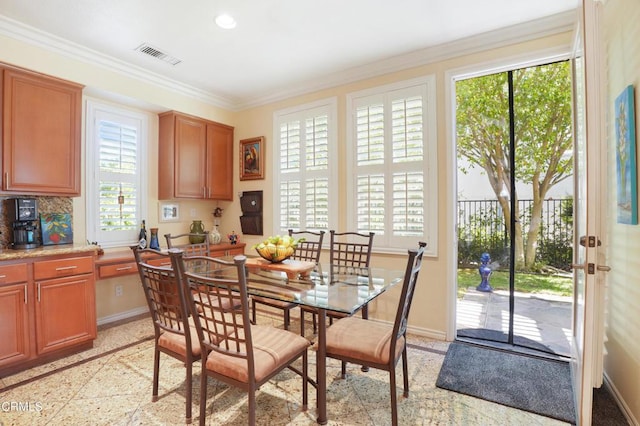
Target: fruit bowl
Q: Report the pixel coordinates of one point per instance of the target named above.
(277, 249)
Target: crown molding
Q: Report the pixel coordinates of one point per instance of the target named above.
(543, 27)
(527, 31)
(38, 38)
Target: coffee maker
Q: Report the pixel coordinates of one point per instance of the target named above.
(23, 212)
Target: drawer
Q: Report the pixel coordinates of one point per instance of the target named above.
(165, 262)
(118, 269)
(45, 269)
(13, 273)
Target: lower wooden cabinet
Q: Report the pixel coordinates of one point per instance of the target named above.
(227, 250)
(15, 325)
(47, 310)
(65, 312)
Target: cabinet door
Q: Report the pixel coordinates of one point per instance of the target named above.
(219, 162)
(14, 324)
(41, 134)
(190, 159)
(65, 312)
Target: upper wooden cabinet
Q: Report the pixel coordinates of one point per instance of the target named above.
(41, 122)
(195, 158)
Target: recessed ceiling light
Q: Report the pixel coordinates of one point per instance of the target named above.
(225, 21)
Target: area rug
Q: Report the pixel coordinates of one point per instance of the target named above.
(532, 384)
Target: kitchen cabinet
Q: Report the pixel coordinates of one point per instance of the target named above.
(118, 264)
(47, 309)
(65, 303)
(14, 309)
(41, 125)
(195, 158)
(227, 249)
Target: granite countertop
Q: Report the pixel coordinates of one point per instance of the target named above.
(11, 254)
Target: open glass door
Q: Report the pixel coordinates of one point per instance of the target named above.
(515, 151)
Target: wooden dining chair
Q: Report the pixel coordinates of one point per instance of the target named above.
(181, 241)
(175, 335)
(375, 344)
(308, 250)
(233, 350)
(349, 249)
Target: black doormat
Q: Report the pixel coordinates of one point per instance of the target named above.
(537, 385)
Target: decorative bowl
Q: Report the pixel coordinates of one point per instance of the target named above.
(277, 249)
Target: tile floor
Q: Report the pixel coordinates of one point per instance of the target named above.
(111, 386)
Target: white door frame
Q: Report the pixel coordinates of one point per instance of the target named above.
(451, 76)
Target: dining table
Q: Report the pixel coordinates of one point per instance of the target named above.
(326, 288)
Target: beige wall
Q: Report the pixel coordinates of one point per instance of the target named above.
(431, 314)
(621, 35)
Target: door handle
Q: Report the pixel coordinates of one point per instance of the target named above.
(603, 268)
(577, 266)
(590, 241)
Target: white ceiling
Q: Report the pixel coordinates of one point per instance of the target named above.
(279, 47)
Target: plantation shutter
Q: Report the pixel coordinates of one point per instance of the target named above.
(116, 176)
(304, 176)
(118, 168)
(390, 164)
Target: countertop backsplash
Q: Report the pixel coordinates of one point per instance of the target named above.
(45, 205)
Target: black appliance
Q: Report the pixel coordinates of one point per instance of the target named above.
(23, 214)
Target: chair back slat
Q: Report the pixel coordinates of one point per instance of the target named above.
(165, 297)
(351, 249)
(181, 241)
(414, 264)
(308, 250)
(218, 294)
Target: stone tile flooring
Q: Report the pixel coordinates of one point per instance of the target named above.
(111, 386)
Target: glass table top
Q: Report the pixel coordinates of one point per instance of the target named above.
(334, 288)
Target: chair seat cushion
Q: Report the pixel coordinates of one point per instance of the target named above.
(364, 340)
(273, 348)
(177, 342)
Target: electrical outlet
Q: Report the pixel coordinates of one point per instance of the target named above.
(118, 290)
(193, 212)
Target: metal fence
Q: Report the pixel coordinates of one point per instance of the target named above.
(481, 228)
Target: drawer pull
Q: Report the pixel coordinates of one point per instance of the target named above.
(26, 300)
(38, 292)
(124, 268)
(66, 268)
(2, 276)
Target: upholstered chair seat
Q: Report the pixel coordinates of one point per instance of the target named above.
(273, 349)
(365, 340)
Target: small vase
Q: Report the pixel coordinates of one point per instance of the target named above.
(215, 236)
(154, 244)
(196, 228)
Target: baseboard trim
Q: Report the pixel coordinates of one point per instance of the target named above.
(621, 403)
(123, 315)
(419, 331)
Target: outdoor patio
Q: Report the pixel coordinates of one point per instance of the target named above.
(541, 318)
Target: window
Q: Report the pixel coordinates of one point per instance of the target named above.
(304, 184)
(116, 174)
(392, 158)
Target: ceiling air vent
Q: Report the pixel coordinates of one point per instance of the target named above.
(147, 49)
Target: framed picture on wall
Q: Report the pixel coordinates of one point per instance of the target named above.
(168, 212)
(626, 174)
(252, 158)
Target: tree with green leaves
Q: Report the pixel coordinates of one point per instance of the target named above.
(543, 139)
